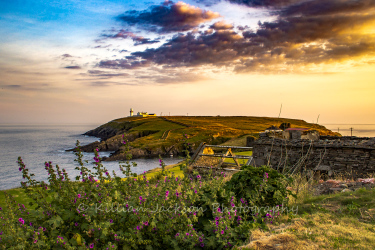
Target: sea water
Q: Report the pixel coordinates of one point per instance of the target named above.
(358, 130)
(37, 144)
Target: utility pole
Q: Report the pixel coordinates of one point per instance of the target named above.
(338, 130)
(351, 131)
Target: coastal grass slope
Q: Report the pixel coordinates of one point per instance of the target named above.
(153, 136)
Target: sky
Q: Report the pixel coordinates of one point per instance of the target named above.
(76, 61)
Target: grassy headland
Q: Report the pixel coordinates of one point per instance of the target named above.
(153, 136)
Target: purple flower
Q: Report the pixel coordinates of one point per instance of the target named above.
(187, 234)
(31, 224)
(177, 234)
(76, 224)
(140, 197)
(222, 231)
(166, 193)
(35, 241)
(92, 245)
(110, 221)
(202, 244)
(146, 223)
(20, 169)
(79, 196)
(217, 218)
(1, 208)
(138, 228)
(198, 176)
(107, 173)
(96, 159)
(21, 220)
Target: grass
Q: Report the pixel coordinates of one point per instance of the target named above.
(336, 221)
(223, 130)
(240, 161)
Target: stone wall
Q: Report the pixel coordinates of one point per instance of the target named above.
(349, 156)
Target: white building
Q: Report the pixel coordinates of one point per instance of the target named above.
(140, 114)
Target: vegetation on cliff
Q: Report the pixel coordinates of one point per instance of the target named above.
(153, 136)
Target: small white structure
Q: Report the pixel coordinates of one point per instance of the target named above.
(140, 114)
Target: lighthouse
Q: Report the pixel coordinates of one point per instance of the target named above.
(131, 112)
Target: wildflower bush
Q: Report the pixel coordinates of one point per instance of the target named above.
(263, 189)
(100, 210)
(261, 186)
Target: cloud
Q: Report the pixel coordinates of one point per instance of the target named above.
(124, 34)
(66, 55)
(221, 25)
(255, 3)
(304, 34)
(172, 76)
(331, 7)
(123, 64)
(168, 17)
(72, 67)
(100, 73)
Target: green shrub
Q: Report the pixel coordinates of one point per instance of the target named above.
(101, 210)
(260, 187)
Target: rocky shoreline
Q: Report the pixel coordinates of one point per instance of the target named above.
(112, 139)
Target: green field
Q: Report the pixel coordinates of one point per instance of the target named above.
(155, 135)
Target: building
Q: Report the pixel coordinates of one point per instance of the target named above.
(140, 114)
(301, 133)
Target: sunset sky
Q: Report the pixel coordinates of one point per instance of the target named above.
(83, 61)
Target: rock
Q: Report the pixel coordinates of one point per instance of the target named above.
(334, 190)
(346, 190)
(343, 186)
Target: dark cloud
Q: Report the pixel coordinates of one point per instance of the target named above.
(254, 3)
(101, 73)
(124, 34)
(66, 55)
(331, 7)
(12, 86)
(168, 17)
(123, 64)
(102, 46)
(72, 67)
(304, 33)
(265, 3)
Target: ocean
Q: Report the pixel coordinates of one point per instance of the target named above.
(37, 144)
(359, 130)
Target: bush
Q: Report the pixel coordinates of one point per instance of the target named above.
(260, 187)
(103, 211)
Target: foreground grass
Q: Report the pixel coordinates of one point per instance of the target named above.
(338, 221)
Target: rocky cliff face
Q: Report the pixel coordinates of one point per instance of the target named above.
(103, 132)
(112, 140)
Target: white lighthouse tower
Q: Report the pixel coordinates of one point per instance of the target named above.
(131, 112)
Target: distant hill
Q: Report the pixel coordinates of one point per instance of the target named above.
(151, 136)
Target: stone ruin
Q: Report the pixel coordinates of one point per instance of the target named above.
(305, 150)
